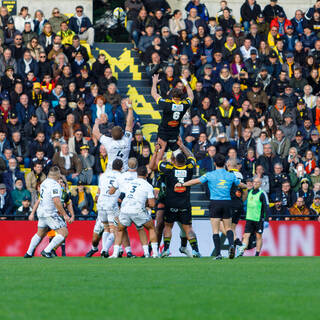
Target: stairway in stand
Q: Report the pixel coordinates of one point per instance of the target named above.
(133, 83)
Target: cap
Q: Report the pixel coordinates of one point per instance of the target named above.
(299, 134)
(13, 115)
(84, 147)
(274, 0)
(138, 132)
(221, 135)
(301, 101)
(165, 29)
(317, 196)
(237, 25)
(273, 55)
(305, 180)
(289, 55)
(52, 114)
(253, 51)
(314, 132)
(288, 115)
(219, 28)
(256, 85)
(208, 66)
(26, 198)
(9, 68)
(84, 67)
(264, 67)
(260, 15)
(10, 21)
(281, 14)
(3, 186)
(36, 85)
(290, 27)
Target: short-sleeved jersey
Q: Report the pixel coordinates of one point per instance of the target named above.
(177, 197)
(137, 192)
(220, 182)
(106, 181)
(172, 113)
(49, 189)
(117, 149)
(123, 179)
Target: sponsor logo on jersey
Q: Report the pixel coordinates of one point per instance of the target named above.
(173, 123)
(55, 191)
(177, 107)
(180, 173)
(222, 183)
(179, 189)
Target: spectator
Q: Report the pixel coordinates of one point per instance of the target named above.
(4, 142)
(12, 174)
(280, 144)
(68, 163)
(276, 179)
(249, 12)
(315, 207)
(193, 22)
(32, 128)
(6, 60)
(19, 193)
(77, 141)
(272, 10)
(6, 203)
(82, 200)
(299, 209)
(288, 127)
(25, 209)
(208, 164)
(23, 18)
(200, 147)
(176, 23)
(281, 23)
(41, 143)
(268, 159)
(20, 149)
(222, 144)
(193, 131)
(26, 64)
(56, 19)
(28, 34)
(87, 162)
(279, 111)
(278, 211)
(34, 178)
(101, 161)
(69, 127)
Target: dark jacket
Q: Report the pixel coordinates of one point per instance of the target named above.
(75, 201)
(8, 207)
(24, 114)
(268, 163)
(8, 180)
(247, 14)
(34, 67)
(85, 23)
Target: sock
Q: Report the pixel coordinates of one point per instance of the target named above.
(33, 244)
(63, 248)
(109, 242)
(116, 250)
(105, 236)
(54, 243)
(94, 248)
(128, 249)
(146, 250)
(257, 253)
(154, 246)
(216, 241)
(230, 237)
(184, 242)
(149, 248)
(166, 243)
(194, 244)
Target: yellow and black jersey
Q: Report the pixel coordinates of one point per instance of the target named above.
(172, 112)
(177, 197)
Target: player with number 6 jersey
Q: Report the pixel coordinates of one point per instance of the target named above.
(118, 147)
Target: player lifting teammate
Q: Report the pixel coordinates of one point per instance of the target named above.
(118, 147)
(177, 199)
(50, 213)
(173, 111)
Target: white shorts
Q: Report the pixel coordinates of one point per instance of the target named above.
(108, 215)
(98, 227)
(139, 219)
(54, 222)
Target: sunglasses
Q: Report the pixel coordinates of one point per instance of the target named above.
(42, 56)
(18, 38)
(79, 10)
(56, 12)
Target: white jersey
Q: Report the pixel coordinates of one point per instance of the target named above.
(117, 149)
(49, 189)
(106, 181)
(124, 179)
(137, 192)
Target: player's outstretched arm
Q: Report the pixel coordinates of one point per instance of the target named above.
(70, 209)
(129, 123)
(183, 148)
(34, 210)
(95, 130)
(61, 211)
(188, 183)
(154, 93)
(189, 92)
(156, 157)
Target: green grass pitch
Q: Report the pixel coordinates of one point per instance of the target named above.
(172, 288)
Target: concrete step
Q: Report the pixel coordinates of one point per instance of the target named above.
(114, 46)
(128, 75)
(143, 91)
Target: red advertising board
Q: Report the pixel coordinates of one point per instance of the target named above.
(287, 238)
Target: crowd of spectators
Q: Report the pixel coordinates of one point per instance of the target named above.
(256, 84)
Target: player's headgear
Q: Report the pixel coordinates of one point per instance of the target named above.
(117, 133)
(117, 164)
(220, 160)
(142, 171)
(132, 163)
(54, 173)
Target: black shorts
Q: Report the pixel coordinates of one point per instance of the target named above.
(236, 214)
(253, 227)
(182, 215)
(170, 137)
(220, 209)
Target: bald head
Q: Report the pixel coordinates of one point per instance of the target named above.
(256, 183)
(132, 164)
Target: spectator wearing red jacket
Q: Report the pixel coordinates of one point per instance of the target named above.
(281, 22)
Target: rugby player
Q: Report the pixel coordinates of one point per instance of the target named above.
(137, 192)
(257, 209)
(220, 182)
(107, 205)
(160, 193)
(173, 112)
(177, 198)
(118, 147)
(50, 212)
(96, 237)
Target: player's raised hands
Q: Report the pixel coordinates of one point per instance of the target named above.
(97, 121)
(67, 218)
(31, 217)
(155, 79)
(157, 147)
(162, 143)
(179, 142)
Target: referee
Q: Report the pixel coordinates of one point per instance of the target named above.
(220, 182)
